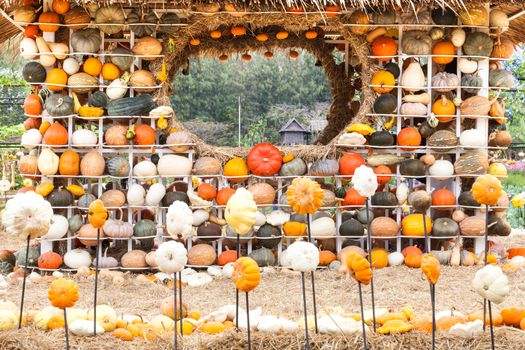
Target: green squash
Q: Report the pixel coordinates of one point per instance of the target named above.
(444, 16)
(263, 257)
(340, 192)
(210, 230)
(478, 44)
(385, 17)
(118, 166)
(85, 200)
(381, 138)
(173, 196)
(502, 78)
(473, 81)
(125, 61)
(60, 197)
(139, 105)
(75, 223)
(295, 167)
(34, 72)
(144, 228)
(445, 227)
(169, 18)
(385, 104)
(384, 199)
(32, 260)
(393, 68)
(467, 199)
(98, 99)
(58, 105)
(412, 167)
(298, 218)
(266, 234)
(361, 216)
(135, 21)
(351, 227)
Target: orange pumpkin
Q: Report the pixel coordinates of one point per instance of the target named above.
(207, 191)
(384, 174)
(359, 267)
(32, 105)
(60, 6)
(31, 31)
(409, 136)
(227, 256)
(49, 21)
(497, 319)
(522, 323)
(443, 198)
(487, 189)
(262, 37)
(123, 334)
(56, 322)
(311, 34)
(411, 250)
(430, 267)
(69, 163)
(446, 322)
(517, 251)
(44, 126)
(144, 135)
(56, 135)
(63, 293)
(513, 316)
(443, 48)
(110, 71)
(412, 225)
(384, 46)
(332, 11)
(281, 35)
(413, 260)
(224, 195)
(349, 162)
(236, 169)
(294, 228)
(246, 275)
(422, 324)
(92, 66)
(56, 79)
(379, 258)
(97, 213)
(264, 159)
(304, 195)
(32, 123)
(49, 260)
(353, 198)
(216, 34)
(326, 257)
(444, 109)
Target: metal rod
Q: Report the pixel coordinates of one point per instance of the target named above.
(180, 301)
(485, 263)
(248, 323)
(491, 327)
(314, 299)
(427, 250)
(238, 250)
(24, 284)
(175, 312)
(433, 301)
(66, 329)
(369, 244)
(96, 284)
(305, 314)
(362, 314)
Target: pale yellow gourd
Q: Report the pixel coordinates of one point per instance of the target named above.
(59, 50)
(241, 211)
(423, 98)
(48, 162)
(47, 59)
(413, 78)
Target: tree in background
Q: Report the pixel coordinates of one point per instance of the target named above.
(515, 100)
(13, 90)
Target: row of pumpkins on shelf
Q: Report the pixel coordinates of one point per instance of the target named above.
(441, 138)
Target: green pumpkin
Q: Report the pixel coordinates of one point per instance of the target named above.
(263, 257)
(169, 18)
(381, 138)
(34, 72)
(384, 199)
(58, 105)
(502, 78)
(131, 106)
(125, 61)
(60, 197)
(412, 167)
(118, 166)
(210, 230)
(467, 199)
(298, 218)
(144, 228)
(361, 216)
(351, 227)
(393, 68)
(444, 16)
(32, 260)
(385, 104)
(426, 130)
(135, 22)
(295, 167)
(385, 17)
(445, 227)
(98, 99)
(75, 223)
(85, 200)
(265, 233)
(340, 192)
(173, 196)
(473, 81)
(478, 44)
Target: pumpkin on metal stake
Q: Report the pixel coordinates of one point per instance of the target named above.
(431, 269)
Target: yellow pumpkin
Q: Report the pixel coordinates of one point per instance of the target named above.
(236, 170)
(412, 225)
(76, 190)
(384, 318)
(379, 258)
(188, 326)
(212, 327)
(97, 213)
(241, 211)
(44, 188)
(90, 112)
(430, 267)
(487, 189)
(385, 81)
(395, 326)
(304, 195)
(106, 317)
(294, 228)
(498, 169)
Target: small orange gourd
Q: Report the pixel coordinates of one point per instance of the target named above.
(443, 48)
(304, 195)
(207, 191)
(63, 293)
(487, 189)
(444, 109)
(123, 334)
(246, 275)
(294, 228)
(92, 66)
(359, 267)
(430, 267)
(97, 213)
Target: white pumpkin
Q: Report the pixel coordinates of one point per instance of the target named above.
(365, 181)
(303, 256)
(31, 138)
(472, 138)
(199, 279)
(171, 257)
(413, 78)
(458, 37)
(337, 324)
(84, 328)
(58, 228)
(70, 66)
(351, 139)
(28, 48)
(260, 219)
(467, 66)
(441, 169)
(200, 216)
(8, 320)
(395, 259)
(74, 314)
(163, 323)
(42, 317)
(179, 220)
(323, 227)
(277, 217)
(402, 191)
(27, 214)
(499, 20)
(491, 283)
(136, 195)
(76, 258)
(155, 194)
(227, 270)
(468, 329)
(48, 162)
(118, 87)
(84, 138)
(413, 108)
(214, 271)
(144, 170)
(174, 165)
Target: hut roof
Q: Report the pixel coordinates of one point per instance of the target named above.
(513, 8)
(293, 126)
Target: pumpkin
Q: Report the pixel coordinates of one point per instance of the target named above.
(349, 162)
(118, 166)
(497, 319)
(206, 166)
(117, 229)
(28, 165)
(443, 52)
(409, 136)
(416, 42)
(358, 267)
(379, 258)
(384, 199)
(56, 135)
(413, 78)
(472, 226)
(383, 81)
(385, 104)
(471, 83)
(413, 260)
(326, 257)
(294, 229)
(502, 78)
(487, 190)
(353, 198)
(443, 199)
(246, 274)
(147, 48)
(209, 231)
(145, 229)
(262, 192)
(477, 44)
(207, 191)
(413, 109)
(144, 135)
(471, 163)
(86, 40)
(92, 164)
(384, 227)
(474, 15)
(112, 14)
(384, 46)
(84, 138)
(24, 14)
(443, 81)
(412, 225)
(503, 49)
(201, 255)
(142, 81)
(49, 261)
(445, 227)
(512, 316)
(228, 256)
(444, 16)
(295, 167)
(380, 138)
(92, 66)
(34, 73)
(264, 159)
(500, 138)
(56, 79)
(179, 141)
(48, 162)
(31, 139)
(113, 198)
(69, 163)
(138, 24)
(77, 18)
(324, 168)
(87, 235)
(384, 174)
(134, 259)
(412, 167)
(304, 196)
(58, 105)
(82, 83)
(116, 135)
(32, 105)
(63, 293)
(48, 21)
(122, 58)
(441, 169)
(466, 199)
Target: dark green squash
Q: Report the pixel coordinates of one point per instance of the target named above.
(75, 223)
(498, 227)
(144, 228)
(169, 18)
(385, 104)
(85, 200)
(473, 81)
(361, 216)
(502, 78)
(34, 72)
(118, 166)
(445, 227)
(295, 167)
(210, 230)
(478, 44)
(393, 68)
(420, 200)
(444, 16)
(139, 105)
(466, 199)
(263, 257)
(426, 130)
(384, 199)
(125, 61)
(340, 192)
(381, 138)
(173, 196)
(412, 167)
(98, 99)
(32, 257)
(265, 235)
(351, 227)
(135, 22)
(384, 17)
(298, 218)
(324, 167)
(441, 140)
(58, 105)
(347, 215)
(60, 197)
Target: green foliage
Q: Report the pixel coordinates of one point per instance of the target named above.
(13, 90)
(515, 100)
(515, 180)
(11, 133)
(271, 92)
(514, 185)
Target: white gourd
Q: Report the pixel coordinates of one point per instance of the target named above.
(227, 270)
(323, 227)
(199, 279)
(84, 328)
(70, 66)
(76, 258)
(144, 170)
(58, 228)
(48, 162)
(155, 194)
(277, 217)
(200, 216)
(472, 138)
(171, 257)
(118, 87)
(351, 139)
(337, 324)
(28, 48)
(458, 37)
(31, 138)
(413, 78)
(402, 191)
(260, 219)
(499, 20)
(303, 256)
(395, 259)
(442, 169)
(136, 195)
(59, 50)
(468, 329)
(179, 220)
(27, 214)
(174, 165)
(84, 138)
(467, 66)
(410, 108)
